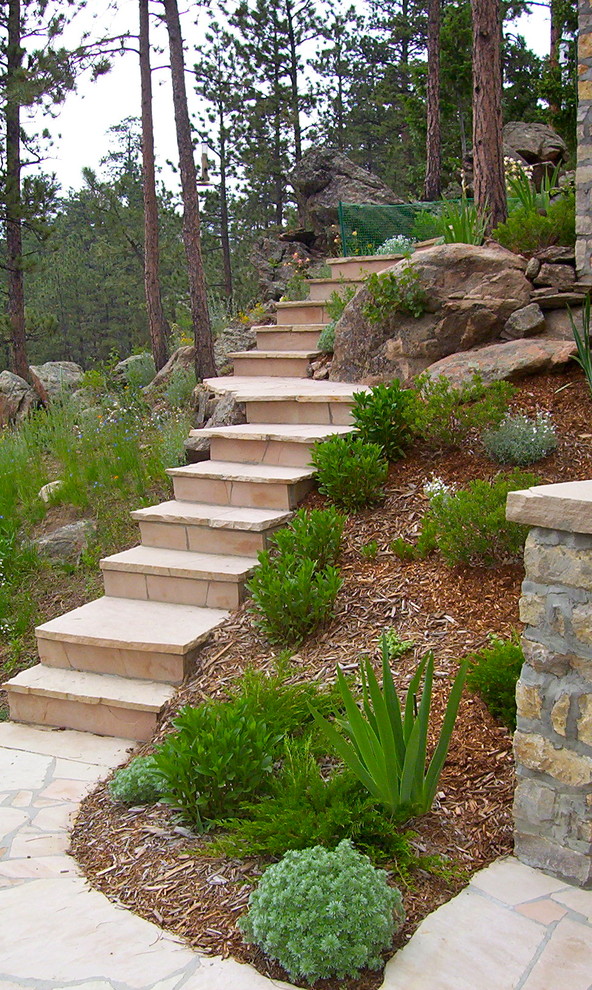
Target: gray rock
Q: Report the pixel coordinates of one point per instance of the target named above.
(137, 369)
(558, 324)
(66, 543)
(58, 377)
(183, 357)
(47, 491)
(557, 252)
(17, 398)
(535, 143)
(275, 261)
(232, 339)
(212, 410)
(508, 361)
(526, 322)
(323, 177)
(532, 269)
(549, 298)
(559, 277)
(470, 293)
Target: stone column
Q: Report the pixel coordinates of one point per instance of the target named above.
(553, 740)
(584, 161)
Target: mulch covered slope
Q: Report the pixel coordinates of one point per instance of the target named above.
(142, 858)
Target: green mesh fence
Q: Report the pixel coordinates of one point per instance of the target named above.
(366, 226)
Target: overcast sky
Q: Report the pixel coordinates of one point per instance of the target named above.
(80, 130)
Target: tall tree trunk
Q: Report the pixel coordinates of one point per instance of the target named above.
(205, 366)
(293, 73)
(14, 239)
(555, 41)
(159, 330)
(224, 234)
(488, 154)
(433, 135)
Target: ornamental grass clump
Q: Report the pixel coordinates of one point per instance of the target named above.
(323, 913)
(520, 439)
(351, 472)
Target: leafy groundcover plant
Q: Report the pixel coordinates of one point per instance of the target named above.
(383, 415)
(493, 674)
(323, 913)
(446, 414)
(351, 472)
(138, 783)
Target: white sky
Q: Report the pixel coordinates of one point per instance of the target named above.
(80, 130)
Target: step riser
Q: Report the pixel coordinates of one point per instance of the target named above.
(359, 269)
(272, 367)
(203, 539)
(253, 495)
(299, 413)
(102, 719)
(166, 668)
(288, 340)
(175, 590)
(300, 316)
(320, 293)
(276, 452)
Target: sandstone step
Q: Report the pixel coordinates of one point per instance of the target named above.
(101, 703)
(359, 267)
(208, 528)
(281, 364)
(322, 289)
(290, 400)
(121, 636)
(267, 444)
(179, 577)
(288, 338)
(298, 313)
(64, 744)
(263, 486)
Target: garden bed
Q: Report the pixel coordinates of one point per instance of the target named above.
(143, 859)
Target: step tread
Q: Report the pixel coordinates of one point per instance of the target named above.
(269, 389)
(78, 685)
(365, 257)
(344, 280)
(66, 744)
(300, 304)
(289, 328)
(270, 355)
(134, 624)
(304, 433)
(180, 563)
(213, 516)
(234, 471)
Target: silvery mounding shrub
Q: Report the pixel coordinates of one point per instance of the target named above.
(520, 440)
(138, 783)
(323, 913)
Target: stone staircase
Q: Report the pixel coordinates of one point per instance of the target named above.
(109, 666)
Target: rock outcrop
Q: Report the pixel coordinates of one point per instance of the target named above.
(323, 177)
(535, 143)
(505, 362)
(17, 398)
(470, 294)
(58, 377)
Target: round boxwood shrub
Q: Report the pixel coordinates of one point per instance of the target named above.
(323, 913)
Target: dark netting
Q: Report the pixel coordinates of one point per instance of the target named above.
(365, 226)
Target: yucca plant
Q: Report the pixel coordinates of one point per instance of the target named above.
(584, 355)
(385, 746)
(462, 223)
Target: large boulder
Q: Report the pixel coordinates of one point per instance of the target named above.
(242, 338)
(470, 294)
(17, 398)
(276, 260)
(58, 377)
(323, 177)
(535, 143)
(182, 359)
(508, 361)
(66, 544)
(137, 369)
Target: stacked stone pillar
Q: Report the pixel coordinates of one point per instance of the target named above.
(584, 162)
(553, 741)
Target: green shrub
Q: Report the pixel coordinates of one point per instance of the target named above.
(138, 783)
(386, 748)
(520, 440)
(470, 526)
(284, 707)
(445, 414)
(291, 596)
(297, 288)
(396, 245)
(326, 341)
(351, 473)
(462, 223)
(180, 387)
(304, 809)
(392, 292)
(312, 533)
(220, 754)
(394, 645)
(370, 550)
(526, 231)
(323, 914)
(493, 674)
(337, 302)
(426, 226)
(141, 371)
(383, 415)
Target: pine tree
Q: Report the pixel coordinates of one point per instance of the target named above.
(488, 154)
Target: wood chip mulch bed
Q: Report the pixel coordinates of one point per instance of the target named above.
(142, 858)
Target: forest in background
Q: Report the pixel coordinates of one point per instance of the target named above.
(274, 79)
